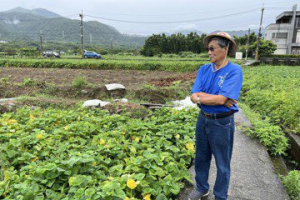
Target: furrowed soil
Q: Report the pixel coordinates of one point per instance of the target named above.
(60, 82)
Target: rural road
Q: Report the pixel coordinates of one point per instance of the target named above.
(253, 176)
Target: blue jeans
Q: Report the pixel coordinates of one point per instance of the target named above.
(214, 137)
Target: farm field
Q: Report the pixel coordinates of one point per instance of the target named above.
(90, 154)
(273, 91)
(76, 153)
(80, 84)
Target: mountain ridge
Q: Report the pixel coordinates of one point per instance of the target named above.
(21, 24)
(37, 11)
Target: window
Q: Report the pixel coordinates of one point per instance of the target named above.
(297, 22)
(281, 35)
(298, 37)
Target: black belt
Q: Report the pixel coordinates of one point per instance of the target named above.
(216, 116)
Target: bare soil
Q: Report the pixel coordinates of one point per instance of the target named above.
(58, 82)
(129, 78)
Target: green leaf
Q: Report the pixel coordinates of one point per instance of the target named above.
(120, 193)
(90, 192)
(15, 142)
(139, 176)
(161, 197)
(73, 160)
(74, 181)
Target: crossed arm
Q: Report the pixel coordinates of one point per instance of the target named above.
(209, 99)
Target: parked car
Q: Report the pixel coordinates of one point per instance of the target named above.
(91, 54)
(51, 54)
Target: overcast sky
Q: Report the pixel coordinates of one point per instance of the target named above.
(164, 15)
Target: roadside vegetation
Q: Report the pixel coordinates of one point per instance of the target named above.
(273, 91)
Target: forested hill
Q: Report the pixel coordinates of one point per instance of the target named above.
(25, 25)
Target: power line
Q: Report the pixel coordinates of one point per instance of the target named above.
(161, 15)
(174, 22)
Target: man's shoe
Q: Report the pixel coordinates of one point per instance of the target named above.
(196, 195)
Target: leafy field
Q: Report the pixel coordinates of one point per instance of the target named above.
(180, 66)
(113, 62)
(274, 92)
(89, 154)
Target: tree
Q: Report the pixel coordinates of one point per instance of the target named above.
(266, 48)
(176, 43)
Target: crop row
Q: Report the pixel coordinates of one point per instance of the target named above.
(130, 63)
(180, 66)
(90, 154)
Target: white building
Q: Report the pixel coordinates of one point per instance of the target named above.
(285, 33)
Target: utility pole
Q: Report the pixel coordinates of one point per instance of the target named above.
(41, 38)
(81, 27)
(63, 36)
(247, 48)
(259, 34)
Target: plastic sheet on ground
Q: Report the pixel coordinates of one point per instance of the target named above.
(95, 103)
(184, 104)
(114, 86)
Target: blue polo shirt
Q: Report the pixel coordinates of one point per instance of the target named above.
(226, 81)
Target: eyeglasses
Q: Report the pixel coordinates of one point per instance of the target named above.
(212, 49)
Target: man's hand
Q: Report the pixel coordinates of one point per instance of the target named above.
(229, 103)
(194, 97)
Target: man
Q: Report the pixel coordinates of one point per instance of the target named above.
(216, 91)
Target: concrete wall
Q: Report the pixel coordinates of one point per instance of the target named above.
(280, 51)
(281, 43)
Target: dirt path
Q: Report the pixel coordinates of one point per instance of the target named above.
(253, 175)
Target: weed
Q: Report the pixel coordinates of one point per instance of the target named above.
(79, 82)
(292, 184)
(28, 82)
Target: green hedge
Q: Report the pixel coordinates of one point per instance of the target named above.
(283, 56)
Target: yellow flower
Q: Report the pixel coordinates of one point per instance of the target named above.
(126, 198)
(131, 184)
(39, 136)
(34, 159)
(147, 197)
(137, 139)
(11, 121)
(190, 147)
(101, 141)
(94, 163)
(32, 117)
